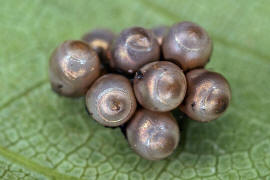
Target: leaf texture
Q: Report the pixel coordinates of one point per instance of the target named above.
(44, 136)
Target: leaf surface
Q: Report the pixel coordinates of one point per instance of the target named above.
(44, 136)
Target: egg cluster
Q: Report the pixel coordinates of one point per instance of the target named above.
(134, 79)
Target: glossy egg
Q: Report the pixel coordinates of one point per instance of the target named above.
(160, 86)
(73, 68)
(153, 135)
(208, 95)
(111, 100)
(188, 45)
(134, 48)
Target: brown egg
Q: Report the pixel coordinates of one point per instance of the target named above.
(188, 45)
(208, 95)
(134, 48)
(73, 67)
(160, 86)
(160, 32)
(111, 100)
(153, 135)
(100, 40)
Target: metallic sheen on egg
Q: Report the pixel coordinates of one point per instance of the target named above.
(153, 135)
(134, 48)
(73, 68)
(100, 40)
(188, 45)
(208, 95)
(111, 100)
(160, 86)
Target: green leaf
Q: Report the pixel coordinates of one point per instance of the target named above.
(44, 136)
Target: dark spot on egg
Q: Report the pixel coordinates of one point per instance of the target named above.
(139, 75)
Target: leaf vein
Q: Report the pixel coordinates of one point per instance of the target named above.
(32, 165)
(22, 94)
